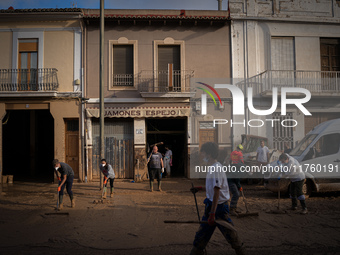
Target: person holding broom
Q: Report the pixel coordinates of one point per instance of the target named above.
(109, 174)
(297, 179)
(65, 175)
(216, 204)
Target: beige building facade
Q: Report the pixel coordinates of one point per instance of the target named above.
(40, 92)
(152, 58)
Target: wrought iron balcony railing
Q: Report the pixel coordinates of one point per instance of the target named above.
(164, 82)
(315, 81)
(123, 80)
(41, 79)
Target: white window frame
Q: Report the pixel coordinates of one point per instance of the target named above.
(28, 35)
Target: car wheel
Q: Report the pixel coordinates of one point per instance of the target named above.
(307, 188)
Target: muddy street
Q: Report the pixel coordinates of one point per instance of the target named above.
(132, 222)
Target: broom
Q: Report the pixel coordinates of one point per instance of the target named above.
(240, 215)
(278, 211)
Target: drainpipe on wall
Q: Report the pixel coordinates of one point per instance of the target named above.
(245, 74)
(219, 5)
(83, 108)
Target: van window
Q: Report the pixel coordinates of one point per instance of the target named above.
(326, 145)
(302, 145)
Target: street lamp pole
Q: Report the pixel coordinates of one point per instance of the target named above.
(101, 87)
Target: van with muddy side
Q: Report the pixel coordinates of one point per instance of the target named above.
(319, 155)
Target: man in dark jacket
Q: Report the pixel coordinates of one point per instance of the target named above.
(65, 176)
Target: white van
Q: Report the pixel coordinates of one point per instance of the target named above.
(319, 155)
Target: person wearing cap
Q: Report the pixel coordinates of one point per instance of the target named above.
(65, 175)
(236, 159)
(109, 174)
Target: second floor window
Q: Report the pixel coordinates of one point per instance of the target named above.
(169, 67)
(28, 64)
(123, 65)
(282, 53)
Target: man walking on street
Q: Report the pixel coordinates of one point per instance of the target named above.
(297, 178)
(65, 176)
(216, 204)
(156, 167)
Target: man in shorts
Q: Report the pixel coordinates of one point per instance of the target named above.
(156, 167)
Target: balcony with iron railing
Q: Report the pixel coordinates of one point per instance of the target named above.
(29, 80)
(319, 83)
(153, 83)
(124, 80)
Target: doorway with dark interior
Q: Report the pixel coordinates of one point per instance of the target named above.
(28, 145)
(173, 133)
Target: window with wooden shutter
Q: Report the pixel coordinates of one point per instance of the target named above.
(28, 64)
(169, 68)
(330, 54)
(122, 65)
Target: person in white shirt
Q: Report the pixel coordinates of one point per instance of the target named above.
(167, 161)
(262, 158)
(262, 154)
(297, 178)
(216, 204)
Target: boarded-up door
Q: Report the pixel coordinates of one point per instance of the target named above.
(72, 145)
(207, 133)
(118, 149)
(118, 153)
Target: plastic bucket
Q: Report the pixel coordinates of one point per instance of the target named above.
(10, 178)
(4, 179)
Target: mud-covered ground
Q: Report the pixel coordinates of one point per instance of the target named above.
(132, 221)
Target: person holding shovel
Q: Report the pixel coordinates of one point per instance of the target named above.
(109, 174)
(216, 204)
(65, 175)
(156, 167)
(293, 171)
